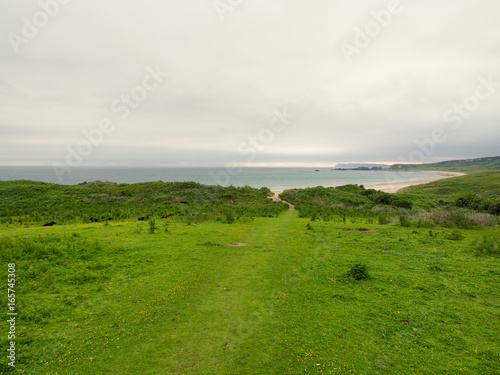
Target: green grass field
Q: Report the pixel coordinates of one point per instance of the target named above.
(485, 184)
(115, 299)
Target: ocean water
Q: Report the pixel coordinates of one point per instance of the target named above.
(273, 178)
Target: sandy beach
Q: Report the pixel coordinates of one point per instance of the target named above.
(394, 187)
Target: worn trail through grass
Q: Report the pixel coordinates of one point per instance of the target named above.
(237, 307)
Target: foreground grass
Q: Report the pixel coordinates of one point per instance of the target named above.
(117, 300)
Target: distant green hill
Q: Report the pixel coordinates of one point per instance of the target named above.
(478, 191)
(468, 165)
(486, 184)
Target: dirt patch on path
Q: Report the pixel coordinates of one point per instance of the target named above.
(276, 197)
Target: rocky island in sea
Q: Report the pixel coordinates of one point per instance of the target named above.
(361, 167)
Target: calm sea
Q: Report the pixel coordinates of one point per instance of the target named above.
(273, 178)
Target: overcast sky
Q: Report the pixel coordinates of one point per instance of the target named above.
(231, 68)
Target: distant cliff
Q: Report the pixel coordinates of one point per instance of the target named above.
(466, 165)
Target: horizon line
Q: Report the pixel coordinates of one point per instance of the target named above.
(241, 164)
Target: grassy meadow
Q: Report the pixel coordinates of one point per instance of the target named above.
(474, 188)
(347, 283)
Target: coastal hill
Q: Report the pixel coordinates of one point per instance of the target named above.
(466, 165)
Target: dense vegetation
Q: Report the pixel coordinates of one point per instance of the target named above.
(446, 202)
(352, 196)
(468, 165)
(33, 203)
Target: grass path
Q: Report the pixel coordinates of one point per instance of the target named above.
(276, 197)
(220, 317)
(237, 308)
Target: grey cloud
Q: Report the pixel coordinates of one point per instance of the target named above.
(226, 78)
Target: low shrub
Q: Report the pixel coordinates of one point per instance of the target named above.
(403, 203)
(359, 272)
(479, 203)
(422, 223)
(152, 226)
(487, 245)
(483, 220)
(404, 222)
(453, 218)
(383, 219)
(455, 235)
(229, 218)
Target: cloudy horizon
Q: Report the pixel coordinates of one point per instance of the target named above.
(256, 83)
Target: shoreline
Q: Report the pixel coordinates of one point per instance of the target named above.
(394, 187)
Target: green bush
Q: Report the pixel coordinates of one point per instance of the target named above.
(152, 226)
(455, 235)
(478, 203)
(487, 246)
(382, 218)
(404, 222)
(359, 272)
(402, 203)
(471, 201)
(453, 218)
(229, 218)
(424, 223)
(188, 218)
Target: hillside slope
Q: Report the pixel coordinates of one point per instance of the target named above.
(484, 184)
(468, 165)
(478, 191)
(35, 202)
